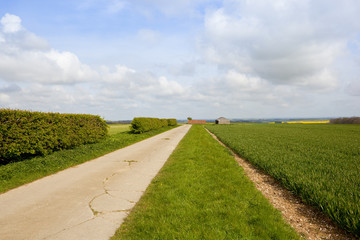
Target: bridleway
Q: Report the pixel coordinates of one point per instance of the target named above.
(89, 201)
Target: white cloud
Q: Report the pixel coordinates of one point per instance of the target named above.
(126, 82)
(4, 98)
(118, 76)
(241, 82)
(44, 67)
(25, 57)
(323, 80)
(254, 58)
(283, 42)
(69, 67)
(169, 88)
(11, 23)
(37, 77)
(14, 36)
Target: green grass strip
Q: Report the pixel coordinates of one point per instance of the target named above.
(202, 193)
(117, 128)
(18, 173)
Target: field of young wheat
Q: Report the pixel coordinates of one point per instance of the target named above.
(318, 162)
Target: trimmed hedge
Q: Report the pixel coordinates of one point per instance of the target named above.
(26, 133)
(172, 122)
(164, 122)
(142, 124)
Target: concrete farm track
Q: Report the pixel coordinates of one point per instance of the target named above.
(89, 201)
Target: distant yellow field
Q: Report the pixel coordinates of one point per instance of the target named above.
(326, 121)
(305, 122)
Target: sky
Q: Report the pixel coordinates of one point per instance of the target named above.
(181, 58)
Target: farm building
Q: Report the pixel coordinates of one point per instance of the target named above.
(197, 121)
(222, 120)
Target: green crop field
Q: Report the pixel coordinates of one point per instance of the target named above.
(318, 162)
(118, 128)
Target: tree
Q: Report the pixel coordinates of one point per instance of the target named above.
(189, 118)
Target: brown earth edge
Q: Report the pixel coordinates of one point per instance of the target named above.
(308, 221)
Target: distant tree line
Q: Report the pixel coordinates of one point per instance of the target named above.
(350, 120)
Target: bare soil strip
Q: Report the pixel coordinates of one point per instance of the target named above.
(308, 221)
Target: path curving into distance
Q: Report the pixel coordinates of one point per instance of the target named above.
(89, 201)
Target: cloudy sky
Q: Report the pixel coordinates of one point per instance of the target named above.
(199, 58)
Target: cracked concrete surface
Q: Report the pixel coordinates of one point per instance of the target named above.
(89, 201)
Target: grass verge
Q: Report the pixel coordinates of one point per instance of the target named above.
(18, 173)
(202, 193)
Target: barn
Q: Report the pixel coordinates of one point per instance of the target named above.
(222, 120)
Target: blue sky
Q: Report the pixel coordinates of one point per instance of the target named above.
(201, 58)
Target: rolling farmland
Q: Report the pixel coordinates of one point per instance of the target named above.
(318, 162)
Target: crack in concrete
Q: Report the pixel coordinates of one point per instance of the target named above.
(116, 211)
(107, 192)
(106, 180)
(95, 213)
(93, 210)
(99, 214)
(130, 161)
(68, 228)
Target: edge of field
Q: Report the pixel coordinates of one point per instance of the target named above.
(305, 219)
